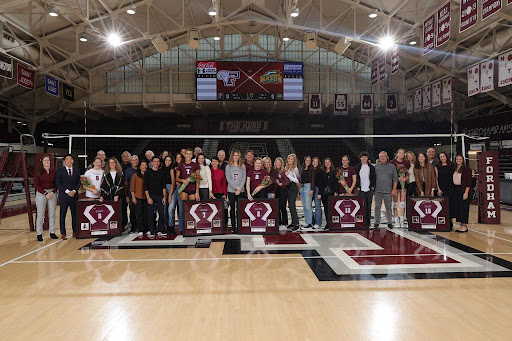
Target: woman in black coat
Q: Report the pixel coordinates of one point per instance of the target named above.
(112, 185)
(327, 186)
(445, 169)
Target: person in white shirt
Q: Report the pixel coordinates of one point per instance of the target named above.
(292, 172)
(205, 185)
(365, 184)
(197, 151)
(95, 176)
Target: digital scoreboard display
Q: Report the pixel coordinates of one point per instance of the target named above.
(249, 81)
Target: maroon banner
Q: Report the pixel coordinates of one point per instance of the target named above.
(205, 217)
(496, 127)
(489, 7)
(488, 187)
(443, 24)
(375, 71)
(98, 219)
(394, 60)
(428, 214)
(346, 213)
(382, 68)
(6, 66)
(468, 14)
(259, 216)
(428, 34)
(26, 77)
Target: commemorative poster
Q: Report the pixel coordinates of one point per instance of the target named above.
(259, 216)
(346, 213)
(98, 219)
(205, 217)
(428, 214)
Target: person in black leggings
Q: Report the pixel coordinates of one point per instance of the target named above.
(328, 184)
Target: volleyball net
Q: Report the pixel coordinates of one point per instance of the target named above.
(85, 147)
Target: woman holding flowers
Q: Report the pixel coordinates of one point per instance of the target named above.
(402, 169)
(186, 172)
(254, 184)
(346, 176)
(91, 180)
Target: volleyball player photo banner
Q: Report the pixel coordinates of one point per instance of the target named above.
(468, 14)
(382, 68)
(340, 104)
(426, 97)
(98, 219)
(443, 15)
(394, 60)
(505, 69)
(487, 76)
(490, 7)
(436, 94)
(315, 103)
(428, 35)
(346, 213)
(473, 80)
(428, 214)
(409, 103)
(205, 217)
(417, 100)
(447, 90)
(6, 66)
(367, 104)
(259, 216)
(374, 71)
(391, 103)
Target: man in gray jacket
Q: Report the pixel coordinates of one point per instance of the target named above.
(385, 188)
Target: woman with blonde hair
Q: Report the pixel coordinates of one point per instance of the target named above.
(255, 176)
(402, 168)
(411, 180)
(235, 176)
(267, 165)
(112, 184)
(292, 172)
(282, 183)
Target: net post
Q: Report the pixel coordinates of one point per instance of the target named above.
(463, 138)
(70, 143)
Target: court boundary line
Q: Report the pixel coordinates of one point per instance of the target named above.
(507, 240)
(29, 253)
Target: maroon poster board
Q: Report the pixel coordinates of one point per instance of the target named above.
(346, 213)
(428, 214)
(259, 216)
(203, 218)
(488, 187)
(98, 219)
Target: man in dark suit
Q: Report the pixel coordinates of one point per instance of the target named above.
(67, 179)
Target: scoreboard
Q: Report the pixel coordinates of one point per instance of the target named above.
(249, 81)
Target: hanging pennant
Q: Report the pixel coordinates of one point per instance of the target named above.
(394, 60)
(447, 90)
(505, 69)
(375, 71)
(315, 104)
(490, 7)
(428, 35)
(391, 103)
(473, 80)
(382, 68)
(468, 14)
(443, 24)
(426, 97)
(409, 103)
(417, 100)
(487, 76)
(340, 104)
(436, 94)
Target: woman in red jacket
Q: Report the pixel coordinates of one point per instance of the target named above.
(462, 182)
(44, 183)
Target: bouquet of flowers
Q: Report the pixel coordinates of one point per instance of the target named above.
(194, 177)
(85, 182)
(401, 173)
(339, 176)
(267, 181)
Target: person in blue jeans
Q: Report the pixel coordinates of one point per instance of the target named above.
(307, 180)
(175, 200)
(317, 197)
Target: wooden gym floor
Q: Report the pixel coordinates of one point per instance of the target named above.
(55, 290)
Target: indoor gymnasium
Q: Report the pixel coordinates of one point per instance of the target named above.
(255, 170)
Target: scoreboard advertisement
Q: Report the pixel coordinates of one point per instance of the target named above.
(205, 217)
(258, 216)
(98, 219)
(346, 213)
(428, 214)
(249, 81)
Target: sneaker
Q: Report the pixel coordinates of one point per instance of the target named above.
(316, 226)
(290, 227)
(150, 236)
(140, 234)
(159, 234)
(163, 235)
(40, 237)
(53, 236)
(148, 233)
(296, 228)
(390, 226)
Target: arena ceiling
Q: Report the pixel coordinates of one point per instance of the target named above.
(52, 44)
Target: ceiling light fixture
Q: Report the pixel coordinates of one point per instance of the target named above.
(216, 38)
(412, 42)
(386, 43)
(52, 12)
(212, 11)
(114, 39)
(83, 37)
(295, 13)
(286, 38)
(131, 10)
(372, 15)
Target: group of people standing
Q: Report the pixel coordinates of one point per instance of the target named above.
(151, 185)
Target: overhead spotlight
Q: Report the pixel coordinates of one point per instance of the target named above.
(286, 38)
(131, 10)
(114, 39)
(216, 38)
(83, 37)
(386, 43)
(212, 11)
(295, 13)
(412, 42)
(373, 15)
(52, 12)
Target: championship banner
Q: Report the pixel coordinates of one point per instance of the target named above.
(443, 24)
(488, 187)
(473, 80)
(436, 94)
(26, 77)
(426, 97)
(391, 103)
(489, 7)
(382, 68)
(505, 69)
(417, 100)
(6, 66)
(205, 217)
(345, 213)
(315, 103)
(98, 219)
(408, 104)
(487, 76)
(374, 71)
(51, 86)
(468, 14)
(428, 35)
(366, 104)
(340, 104)
(447, 90)
(68, 92)
(394, 60)
(259, 216)
(428, 214)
